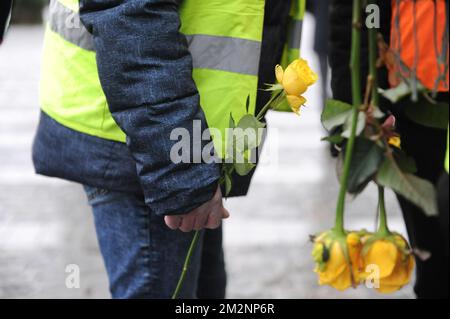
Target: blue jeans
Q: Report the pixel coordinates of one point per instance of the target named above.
(144, 258)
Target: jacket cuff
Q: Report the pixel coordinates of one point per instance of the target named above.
(186, 200)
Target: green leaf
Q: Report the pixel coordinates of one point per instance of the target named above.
(226, 179)
(243, 169)
(250, 121)
(247, 103)
(418, 191)
(228, 185)
(335, 114)
(367, 158)
(399, 92)
(250, 136)
(273, 87)
(405, 163)
(359, 127)
(434, 115)
(334, 139)
(377, 113)
(283, 106)
(232, 123)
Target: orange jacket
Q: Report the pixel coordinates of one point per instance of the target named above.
(420, 46)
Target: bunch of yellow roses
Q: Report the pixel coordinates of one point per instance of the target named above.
(345, 260)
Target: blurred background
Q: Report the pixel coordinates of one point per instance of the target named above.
(46, 224)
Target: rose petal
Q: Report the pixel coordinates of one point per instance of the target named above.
(305, 72)
(335, 266)
(383, 254)
(342, 282)
(401, 274)
(295, 102)
(292, 83)
(279, 73)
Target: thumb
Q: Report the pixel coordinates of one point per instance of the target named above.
(225, 213)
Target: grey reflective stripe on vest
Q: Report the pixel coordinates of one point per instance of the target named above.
(208, 52)
(295, 34)
(224, 53)
(67, 24)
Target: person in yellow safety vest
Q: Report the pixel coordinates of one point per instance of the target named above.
(402, 21)
(118, 78)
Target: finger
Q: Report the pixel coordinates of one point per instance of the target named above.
(173, 222)
(225, 213)
(213, 222)
(187, 224)
(200, 221)
(222, 212)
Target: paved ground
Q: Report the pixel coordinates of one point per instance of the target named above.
(46, 225)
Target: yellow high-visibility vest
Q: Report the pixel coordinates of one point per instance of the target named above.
(224, 38)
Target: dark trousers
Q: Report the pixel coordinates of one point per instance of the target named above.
(144, 258)
(427, 146)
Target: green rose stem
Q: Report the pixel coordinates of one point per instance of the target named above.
(187, 261)
(373, 64)
(383, 229)
(268, 105)
(356, 99)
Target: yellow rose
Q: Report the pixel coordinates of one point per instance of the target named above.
(295, 81)
(333, 266)
(395, 262)
(355, 246)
